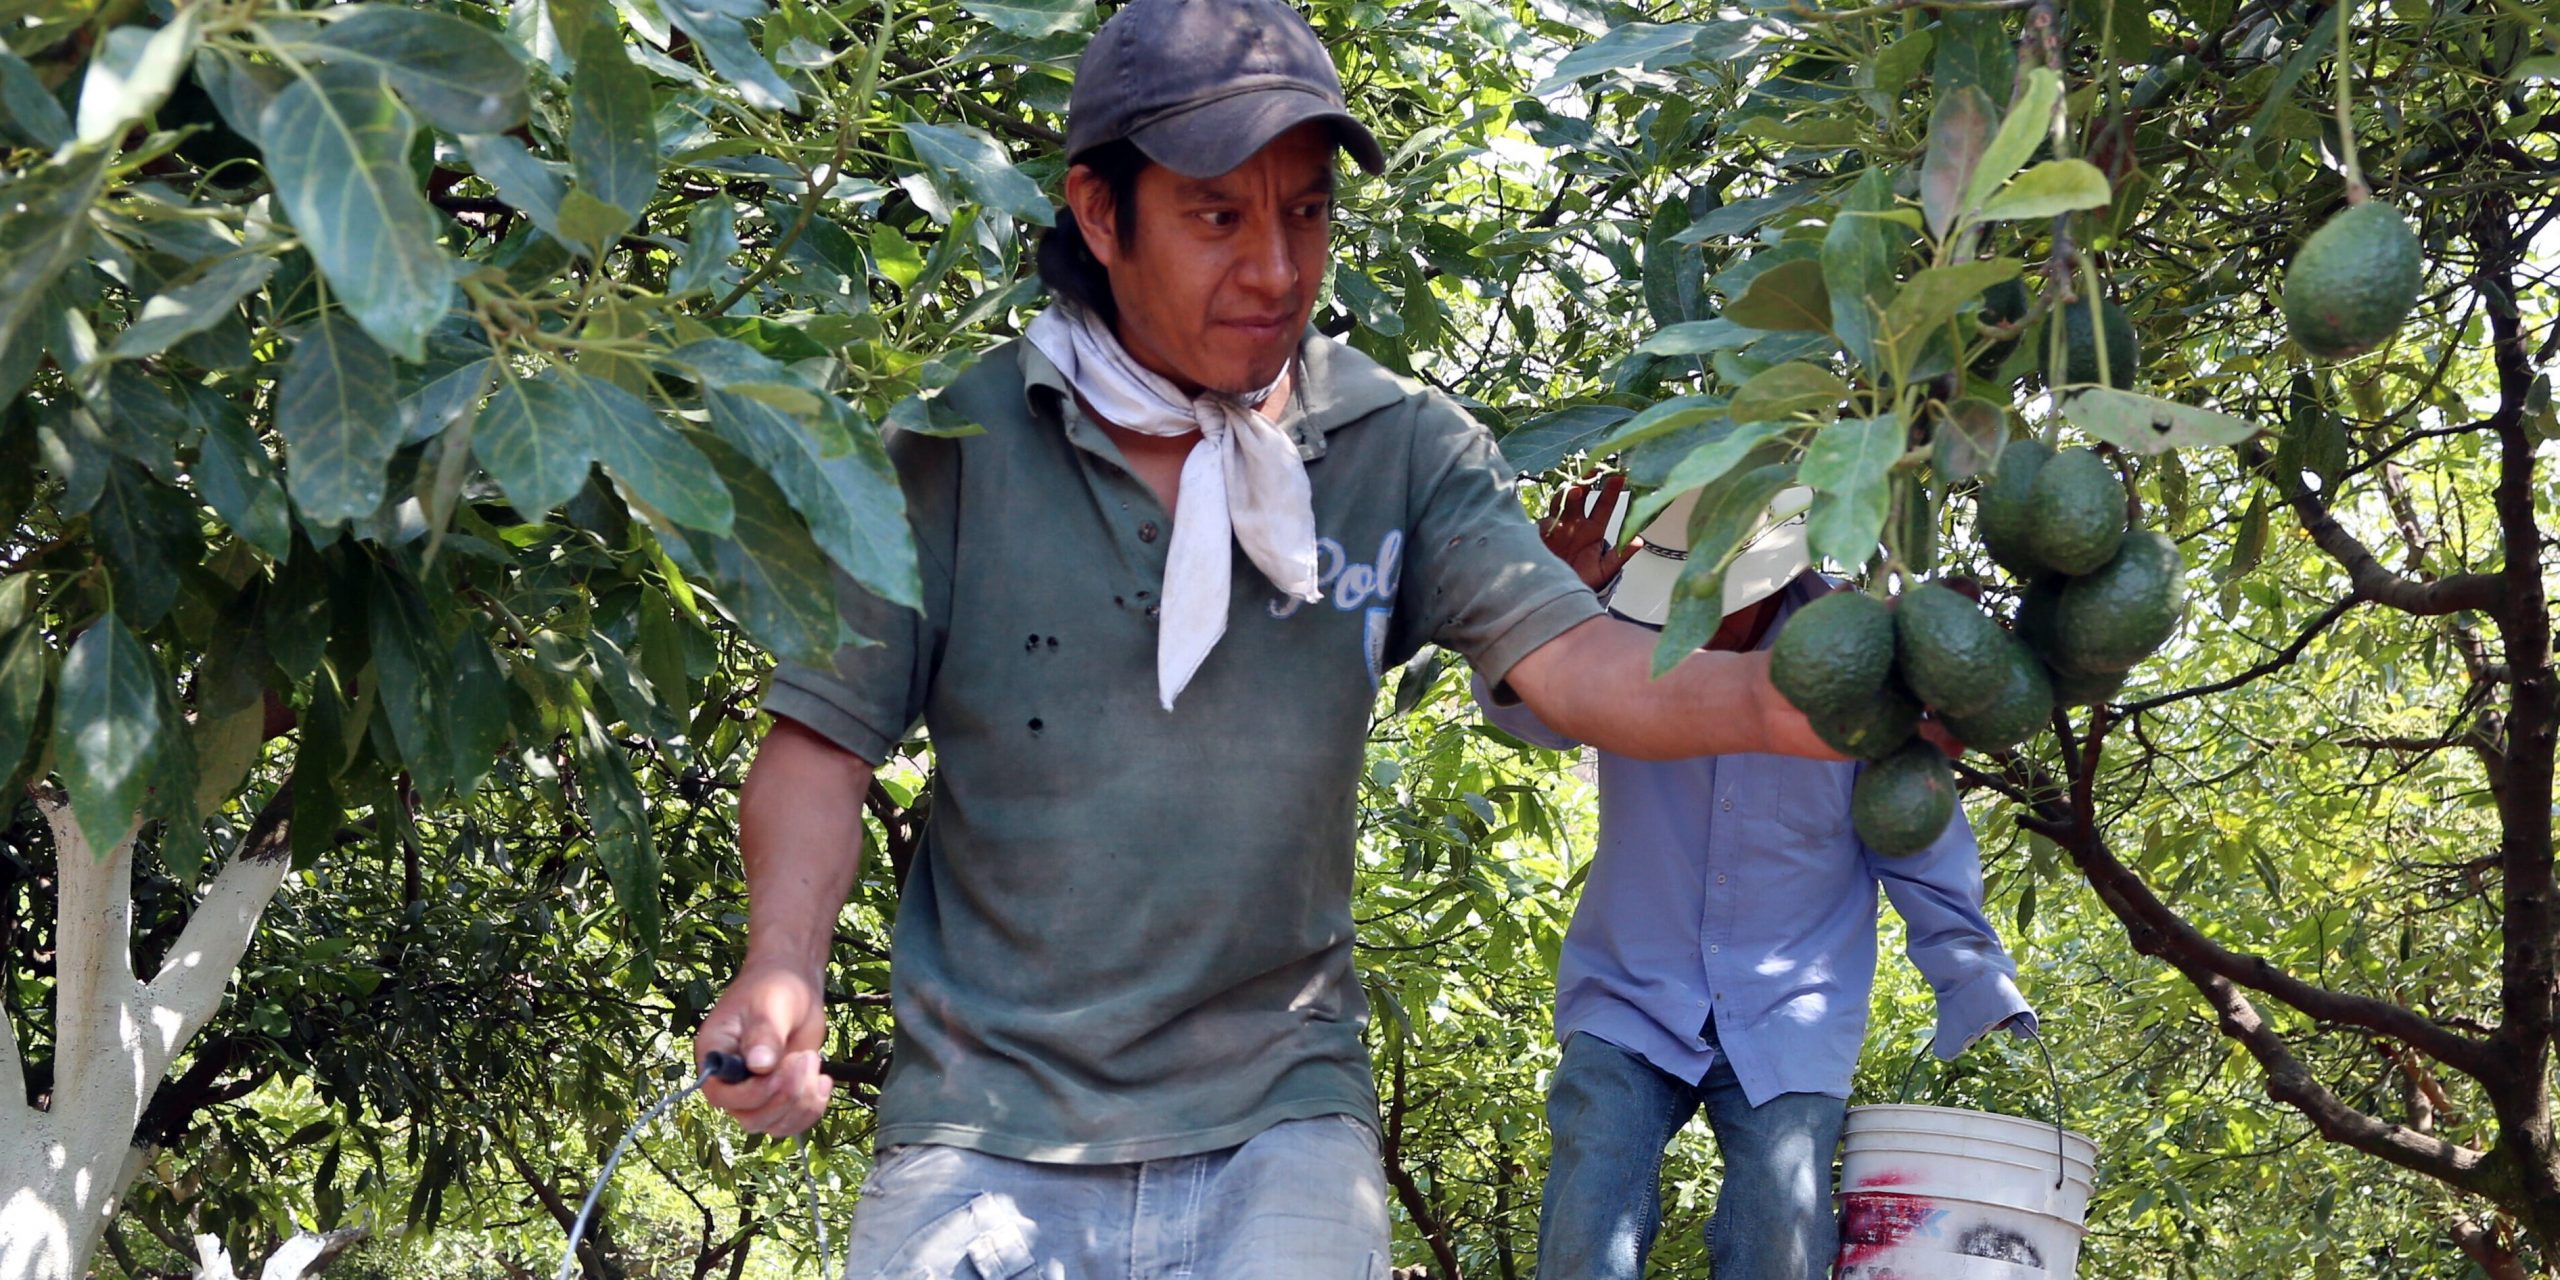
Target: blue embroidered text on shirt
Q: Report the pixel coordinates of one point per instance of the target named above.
(1353, 585)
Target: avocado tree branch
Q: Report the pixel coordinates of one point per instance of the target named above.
(2529, 980)
(2366, 573)
(2218, 974)
(2156, 929)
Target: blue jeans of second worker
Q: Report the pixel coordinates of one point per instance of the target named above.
(1611, 1113)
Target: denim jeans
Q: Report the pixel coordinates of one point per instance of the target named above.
(1302, 1200)
(1611, 1113)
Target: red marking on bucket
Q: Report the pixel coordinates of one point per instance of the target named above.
(1872, 1222)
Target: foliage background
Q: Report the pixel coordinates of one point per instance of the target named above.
(770, 226)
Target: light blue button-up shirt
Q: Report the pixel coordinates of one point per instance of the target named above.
(1733, 886)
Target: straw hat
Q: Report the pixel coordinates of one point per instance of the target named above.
(1770, 558)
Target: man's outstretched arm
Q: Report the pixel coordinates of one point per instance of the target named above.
(1594, 684)
(800, 829)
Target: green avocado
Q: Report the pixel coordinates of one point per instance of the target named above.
(2023, 709)
(2076, 513)
(1875, 727)
(2353, 282)
(2122, 613)
(2080, 345)
(2002, 303)
(2001, 507)
(1902, 803)
(1834, 655)
(2071, 690)
(1950, 653)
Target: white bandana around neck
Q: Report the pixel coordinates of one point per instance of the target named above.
(1244, 483)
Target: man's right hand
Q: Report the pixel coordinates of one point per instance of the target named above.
(1576, 531)
(776, 1021)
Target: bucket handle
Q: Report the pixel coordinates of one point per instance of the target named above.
(2060, 1166)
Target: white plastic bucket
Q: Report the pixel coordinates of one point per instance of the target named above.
(1940, 1193)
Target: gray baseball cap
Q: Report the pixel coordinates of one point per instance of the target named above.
(1201, 85)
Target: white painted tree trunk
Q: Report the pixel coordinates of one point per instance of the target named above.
(63, 1168)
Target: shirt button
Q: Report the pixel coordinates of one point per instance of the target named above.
(1715, 950)
(1728, 804)
(1147, 531)
(1719, 877)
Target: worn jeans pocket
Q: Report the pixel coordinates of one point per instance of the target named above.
(986, 1238)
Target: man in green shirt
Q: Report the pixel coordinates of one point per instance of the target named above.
(1159, 592)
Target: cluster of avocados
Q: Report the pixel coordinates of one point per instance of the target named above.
(2096, 598)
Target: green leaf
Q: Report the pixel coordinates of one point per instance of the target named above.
(1850, 464)
(44, 226)
(194, 307)
(411, 685)
(735, 366)
(717, 31)
(1629, 46)
(1857, 267)
(147, 533)
(772, 579)
(2540, 67)
(1783, 391)
(479, 710)
(1747, 215)
(712, 239)
(535, 439)
(26, 664)
(1031, 17)
(458, 77)
(981, 167)
(2054, 187)
(613, 141)
(852, 503)
(132, 74)
(334, 409)
(1699, 337)
(1542, 442)
(1968, 440)
(1959, 133)
(339, 155)
(1660, 420)
(1930, 299)
(1726, 446)
(142, 421)
(589, 223)
(662, 650)
(28, 111)
(2144, 424)
(624, 840)
(534, 186)
(1787, 297)
(2029, 123)
(1725, 515)
(654, 463)
(106, 729)
(1975, 50)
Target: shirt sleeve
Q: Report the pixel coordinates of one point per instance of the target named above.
(874, 691)
(1483, 583)
(1509, 714)
(1938, 893)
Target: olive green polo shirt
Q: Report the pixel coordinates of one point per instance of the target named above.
(1128, 932)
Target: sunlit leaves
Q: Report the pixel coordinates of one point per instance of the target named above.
(1848, 464)
(192, 307)
(43, 224)
(2056, 186)
(1031, 17)
(2145, 424)
(613, 144)
(339, 154)
(107, 729)
(131, 74)
(455, 75)
(334, 409)
(973, 160)
(717, 29)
